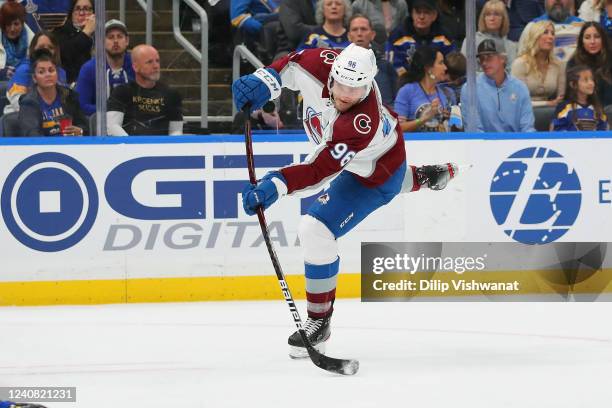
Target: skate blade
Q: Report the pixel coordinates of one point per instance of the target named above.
(297, 353)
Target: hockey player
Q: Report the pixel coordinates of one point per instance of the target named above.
(360, 149)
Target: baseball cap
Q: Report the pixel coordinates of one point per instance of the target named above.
(489, 46)
(114, 23)
(430, 4)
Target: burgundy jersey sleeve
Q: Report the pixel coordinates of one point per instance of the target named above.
(352, 131)
(317, 62)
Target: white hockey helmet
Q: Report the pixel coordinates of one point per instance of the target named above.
(355, 67)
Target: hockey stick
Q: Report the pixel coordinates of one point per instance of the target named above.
(334, 365)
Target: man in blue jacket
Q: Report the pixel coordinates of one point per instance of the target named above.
(504, 104)
(119, 69)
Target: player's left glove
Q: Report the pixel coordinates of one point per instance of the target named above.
(256, 88)
(265, 193)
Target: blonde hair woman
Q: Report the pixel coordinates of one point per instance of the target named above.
(494, 24)
(538, 67)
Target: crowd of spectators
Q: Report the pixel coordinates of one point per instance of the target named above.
(50, 76)
(526, 51)
(529, 46)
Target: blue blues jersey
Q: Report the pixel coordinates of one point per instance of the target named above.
(571, 116)
(86, 82)
(404, 41)
(250, 15)
(51, 115)
(34, 8)
(320, 38)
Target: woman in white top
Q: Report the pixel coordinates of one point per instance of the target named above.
(538, 67)
(494, 24)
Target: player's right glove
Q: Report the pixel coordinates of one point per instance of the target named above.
(265, 193)
(257, 88)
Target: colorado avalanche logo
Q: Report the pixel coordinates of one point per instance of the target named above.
(329, 56)
(312, 121)
(362, 123)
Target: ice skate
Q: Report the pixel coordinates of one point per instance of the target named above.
(317, 332)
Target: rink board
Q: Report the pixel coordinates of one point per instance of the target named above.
(102, 220)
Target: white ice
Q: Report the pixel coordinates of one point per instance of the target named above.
(234, 354)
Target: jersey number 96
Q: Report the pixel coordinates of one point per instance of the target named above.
(340, 152)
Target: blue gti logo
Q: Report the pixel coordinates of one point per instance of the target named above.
(49, 202)
(535, 196)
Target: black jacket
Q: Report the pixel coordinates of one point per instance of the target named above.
(30, 113)
(75, 49)
(297, 18)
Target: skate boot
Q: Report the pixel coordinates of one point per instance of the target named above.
(436, 176)
(317, 332)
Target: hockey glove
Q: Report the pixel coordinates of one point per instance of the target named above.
(256, 88)
(265, 193)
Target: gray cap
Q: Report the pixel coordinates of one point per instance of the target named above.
(114, 23)
(490, 46)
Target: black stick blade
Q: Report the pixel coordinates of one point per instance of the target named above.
(333, 365)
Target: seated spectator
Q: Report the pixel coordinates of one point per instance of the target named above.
(538, 67)
(332, 17)
(422, 104)
(419, 29)
(76, 37)
(144, 106)
(386, 16)
(50, 109)
(456, 66)
(567, 26)
(361, 33)
(249, 16)
(594, 50)
(21, 82)
(599, 11)
(581, 109)
(520, 12)
(452, 18)
(297, 18)
(266, 118)
(494, 23)
(15, 38)
(503, 101)
(253, 19)
(119, 69)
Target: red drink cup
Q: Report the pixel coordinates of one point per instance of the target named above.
(64, 123)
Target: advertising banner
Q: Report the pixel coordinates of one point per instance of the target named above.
(163, 213)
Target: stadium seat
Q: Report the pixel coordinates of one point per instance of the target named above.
(543, 117)
(9, 125)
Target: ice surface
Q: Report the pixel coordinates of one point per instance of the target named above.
(234, 354)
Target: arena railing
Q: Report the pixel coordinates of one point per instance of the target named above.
(242, 52)
(147, 6)
(201, 56)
